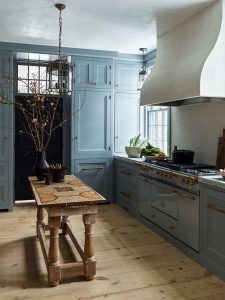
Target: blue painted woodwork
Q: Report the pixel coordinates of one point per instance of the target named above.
(212, 224)
(6, 136)
(188, 220)
(126, 119)
(97, 174)
(127, 185)
(93, 73)
(126, 76)
(91, 125)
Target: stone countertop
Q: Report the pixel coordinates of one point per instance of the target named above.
(215, 181)
(128, 159)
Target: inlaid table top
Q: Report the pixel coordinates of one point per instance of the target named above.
(70, 192)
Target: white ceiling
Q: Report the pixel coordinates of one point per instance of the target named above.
(123, 26)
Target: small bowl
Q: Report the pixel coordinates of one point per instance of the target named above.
(223, 175)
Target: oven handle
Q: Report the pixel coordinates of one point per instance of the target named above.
(175, 191)
(184, 195)
(145, 180)
(213, 207)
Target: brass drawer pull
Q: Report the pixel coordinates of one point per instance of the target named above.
(181, 194)
(125, 173)
(211, 206)
(92, 169)
(125, 194)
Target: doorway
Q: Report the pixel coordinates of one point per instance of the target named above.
(25, 154)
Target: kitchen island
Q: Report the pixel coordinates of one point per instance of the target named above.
(61, 200)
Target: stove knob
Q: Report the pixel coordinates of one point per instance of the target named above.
(171, 176)
(192, 182)
(165, 174)
(183, 180)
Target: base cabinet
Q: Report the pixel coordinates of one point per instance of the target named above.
(127, 185)
(97, 174)
(212, 220)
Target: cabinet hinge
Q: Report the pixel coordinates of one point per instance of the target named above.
(109, 148)
(110, 67)
(109, 97)
(109, 82)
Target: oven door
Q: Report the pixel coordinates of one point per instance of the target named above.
(165, 198)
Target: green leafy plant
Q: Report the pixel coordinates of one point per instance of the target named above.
(150, 150)
(136, 141)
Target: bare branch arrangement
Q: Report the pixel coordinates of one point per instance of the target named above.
(39, 116)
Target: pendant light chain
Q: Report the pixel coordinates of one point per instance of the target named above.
(60, 70)
(60, 32)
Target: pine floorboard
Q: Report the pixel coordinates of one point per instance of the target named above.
(132, 262)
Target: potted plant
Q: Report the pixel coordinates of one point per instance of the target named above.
(134, 149)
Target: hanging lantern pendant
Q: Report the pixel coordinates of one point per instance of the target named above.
(60, 70)
(142, 74)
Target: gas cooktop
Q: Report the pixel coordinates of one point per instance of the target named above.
(195, 169)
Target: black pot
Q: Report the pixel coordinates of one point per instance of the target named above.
(183, 156)
(41, 166)
(58, 174)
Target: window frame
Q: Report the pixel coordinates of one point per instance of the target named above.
(147, 110)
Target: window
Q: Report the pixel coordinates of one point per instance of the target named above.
(33, 67)
(156, 126)
(27, 74)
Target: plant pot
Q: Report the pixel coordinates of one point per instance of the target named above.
(41, 166)
(133, 152)
(58, 174)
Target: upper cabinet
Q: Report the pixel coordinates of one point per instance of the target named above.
(90, 73)
(126, 76)
(126, 119)
(91, 124)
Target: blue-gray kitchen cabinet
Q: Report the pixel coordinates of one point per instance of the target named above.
(97, 174)
(127, 185)
(93, 73)
(91, 124)
(126, 76)
(188, 219)
(212, 224)
(126, 119)
(6, 136)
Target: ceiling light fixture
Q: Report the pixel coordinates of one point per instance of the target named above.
(60, 71)
(142, 72)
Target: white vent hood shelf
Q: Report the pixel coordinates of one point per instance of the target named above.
(190, 62)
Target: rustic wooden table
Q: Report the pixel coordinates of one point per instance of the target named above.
(61, 200)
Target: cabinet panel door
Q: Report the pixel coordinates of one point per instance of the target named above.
(91, 124)
(102, 75)
(126, 119)
(145, 199)
(4, 196)
(6, 111)
(212, 225)
(126, 76)
(83, 73)
(96, 174)
(188, 220)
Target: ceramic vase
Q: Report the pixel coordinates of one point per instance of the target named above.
(41, 166)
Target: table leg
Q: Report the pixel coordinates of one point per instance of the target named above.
(53, 255)
(89, 259)
(40, 217)
(65, 219)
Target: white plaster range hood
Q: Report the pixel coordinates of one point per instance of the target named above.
(190, 62)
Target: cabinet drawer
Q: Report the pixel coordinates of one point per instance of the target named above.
(167, 206)
(162, 220)
(127, 196)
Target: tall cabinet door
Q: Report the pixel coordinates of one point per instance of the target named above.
(91, 133)
(6, 136)
(126, 119)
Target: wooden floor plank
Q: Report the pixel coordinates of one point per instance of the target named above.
(132, 263)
